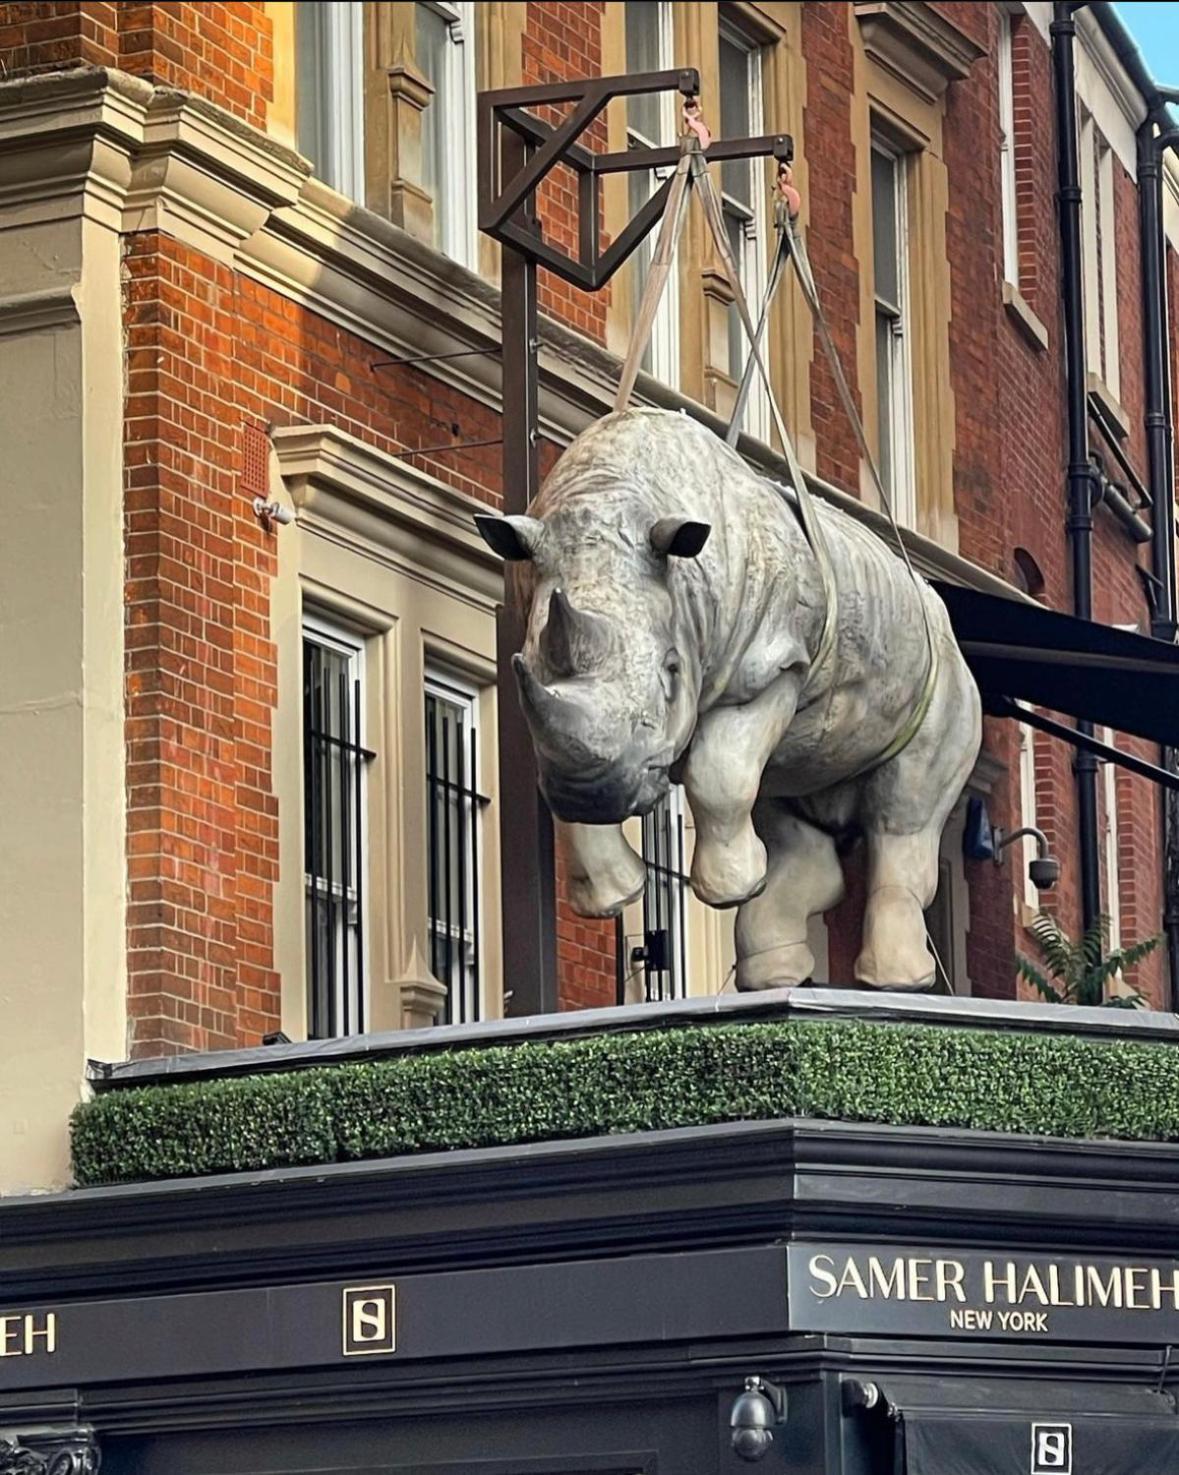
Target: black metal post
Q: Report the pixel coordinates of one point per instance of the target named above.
(1080, 470)
(525, 823)
(1160, 454)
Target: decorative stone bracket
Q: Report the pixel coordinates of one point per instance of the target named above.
(50, 1451)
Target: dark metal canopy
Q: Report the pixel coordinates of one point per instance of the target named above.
(1021, 651)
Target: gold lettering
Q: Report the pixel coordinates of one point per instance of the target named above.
(10, 1335)
(368, 1321)
(991, 1281)
(1033, 1285)
(949, 1278)
(1160, 1288)
(918, 1278)
(1135, 1275)
(889, 1285)
(1054, 1296)
(958, 1318)
(48, 1333)
(820, 1269)
(852, 1277)
(1108, 1292)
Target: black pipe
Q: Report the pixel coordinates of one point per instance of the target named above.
(1080, 470)
(1160, 475)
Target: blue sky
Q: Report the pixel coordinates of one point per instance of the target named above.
(1154, 24)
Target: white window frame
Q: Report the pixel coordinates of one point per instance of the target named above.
(445, 684)
(899, 474)
(1007, 150)
(754, 227)
(455, 203)
(662, 358)
(338, 103)
(318, 627)
(1099, 251)
(1027, 811)
(1113, 880)
(679, 929)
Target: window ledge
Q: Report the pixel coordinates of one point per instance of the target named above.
(1116, 416)
(1020, 312)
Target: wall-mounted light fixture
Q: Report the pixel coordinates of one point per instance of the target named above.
(272, 512)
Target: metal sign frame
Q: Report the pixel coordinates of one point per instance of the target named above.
(517, 151)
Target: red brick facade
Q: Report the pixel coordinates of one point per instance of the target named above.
(210, 354)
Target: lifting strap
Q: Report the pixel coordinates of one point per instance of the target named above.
(692, 173)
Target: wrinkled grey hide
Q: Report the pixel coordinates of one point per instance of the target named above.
(657, 649)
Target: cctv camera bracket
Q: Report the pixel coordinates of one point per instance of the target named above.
(773, 1391)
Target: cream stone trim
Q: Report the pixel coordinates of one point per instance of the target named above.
(1021, 313)
(72, 141)
(499, 62)
(394, 552)
(918, 44)
(916, 122)
(32, 312)
(281, 120)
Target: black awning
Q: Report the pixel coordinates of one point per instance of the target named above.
(1019, 650)
(1027, 1426)
(1001, 1443)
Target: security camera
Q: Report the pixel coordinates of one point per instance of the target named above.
(1044, 872)
(756, 1413)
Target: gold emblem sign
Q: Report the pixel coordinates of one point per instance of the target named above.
(370, 1321)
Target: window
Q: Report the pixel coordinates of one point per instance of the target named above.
(334, 759)
(894, 390)
(651, 123)
(1007, 151)
(743, 200)
(444, 51)
(1027, 811)
(329, 122)
(454, 854)
(665, 900)
(1100, 255)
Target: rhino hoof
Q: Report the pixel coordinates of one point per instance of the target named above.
(780, 967)
(606, 896)
(727, 875)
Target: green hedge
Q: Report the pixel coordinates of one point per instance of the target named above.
(1035, 1084)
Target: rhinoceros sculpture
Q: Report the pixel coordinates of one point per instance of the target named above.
(675, 610)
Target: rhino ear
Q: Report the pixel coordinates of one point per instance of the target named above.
(513, 538)
(676, 537)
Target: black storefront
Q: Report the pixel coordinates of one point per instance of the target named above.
(912, 1299)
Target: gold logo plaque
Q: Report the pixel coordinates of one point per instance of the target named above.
(370, 1321)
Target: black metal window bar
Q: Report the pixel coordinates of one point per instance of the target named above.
(454, 809)
(665, 902)
(333, 845)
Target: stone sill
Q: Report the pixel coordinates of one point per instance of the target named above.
(1020, 312)
(773, 1004)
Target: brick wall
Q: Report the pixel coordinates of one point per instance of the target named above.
(210, 354)
(222, 51)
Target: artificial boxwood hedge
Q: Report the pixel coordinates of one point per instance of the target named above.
(1038, 1084)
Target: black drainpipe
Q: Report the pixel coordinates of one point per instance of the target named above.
(1081, 488)
(1160, 454)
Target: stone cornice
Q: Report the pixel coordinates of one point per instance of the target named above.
(114, 148)
(916, 43)
(29, 312)
(380, 505)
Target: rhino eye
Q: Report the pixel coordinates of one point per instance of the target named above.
(671, 675)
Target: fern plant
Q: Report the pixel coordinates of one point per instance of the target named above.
(1078, 971)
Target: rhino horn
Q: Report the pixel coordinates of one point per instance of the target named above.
(572, 640)
(554, 719)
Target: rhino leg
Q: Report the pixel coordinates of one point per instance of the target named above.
(729, 752)
(804, 877)
(605, 873)
(902, 879)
